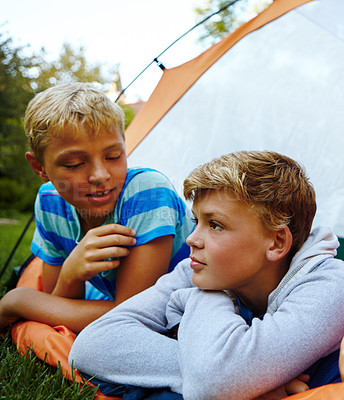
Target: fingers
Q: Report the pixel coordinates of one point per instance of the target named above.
(101, 266)
(106, 253)
(341, 360)
(115, 240)
(297, 385)
(303, 377)
(113, 229)
(92, 254)
(108, 236)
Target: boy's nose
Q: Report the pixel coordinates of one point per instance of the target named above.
(98, 174)
(194, 239)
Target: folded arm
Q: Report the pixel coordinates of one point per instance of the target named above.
(129, 344)
(139, 270)
(222, 357)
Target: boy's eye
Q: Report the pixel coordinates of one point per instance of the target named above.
(115, 156)
(215, 226)
(194, 220)
(72, 166)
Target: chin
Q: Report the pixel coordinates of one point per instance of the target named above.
(199, 283)
(205, 285)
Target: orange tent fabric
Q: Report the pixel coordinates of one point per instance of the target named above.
(175, 82)
(48, 343)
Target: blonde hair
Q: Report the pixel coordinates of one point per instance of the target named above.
(275, 185)
(71, 105)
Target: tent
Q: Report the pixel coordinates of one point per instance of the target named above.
(276, 83)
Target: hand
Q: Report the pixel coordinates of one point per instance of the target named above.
(90, 255)
(341, 360)
(296, 385)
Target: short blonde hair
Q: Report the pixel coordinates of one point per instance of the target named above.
(71, 105)
(275, 185)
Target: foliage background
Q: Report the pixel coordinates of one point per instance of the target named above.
(21, 77)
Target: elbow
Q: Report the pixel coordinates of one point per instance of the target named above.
(76, 357)
(81, 356)
(211, 381)
(203, 384)
(210, 390)
(197, 391)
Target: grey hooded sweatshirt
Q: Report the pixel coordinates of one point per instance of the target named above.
(217, 355)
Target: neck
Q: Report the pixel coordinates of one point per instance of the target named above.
(257, 300)
(89, 223)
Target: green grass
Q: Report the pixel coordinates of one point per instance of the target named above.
(27, 377)
(9, 235)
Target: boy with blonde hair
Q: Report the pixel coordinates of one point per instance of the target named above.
(259, 301)
(97, 222)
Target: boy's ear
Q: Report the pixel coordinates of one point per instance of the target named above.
(36, 166)
(281, 244)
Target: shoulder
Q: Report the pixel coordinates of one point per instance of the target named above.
(47, 189)
(322, 283)
(327, 273)
(149, 186)
(147, 178)
(331, 267)
(50, 203)
(325, 280)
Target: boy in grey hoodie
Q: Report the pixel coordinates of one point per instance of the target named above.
(260, 300)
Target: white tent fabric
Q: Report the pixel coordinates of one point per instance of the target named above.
(279, 88)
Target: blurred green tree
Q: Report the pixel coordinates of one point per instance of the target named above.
(15, 93)
(20, 78)
(229, 19)
(71, 66)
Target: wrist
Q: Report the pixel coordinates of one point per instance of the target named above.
(70, 288)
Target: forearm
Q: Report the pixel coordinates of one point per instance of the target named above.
(58, 281)
(221, 360)
(128, 345)
(127, 352)
(42, 307)
(71, 289)
(226, 358)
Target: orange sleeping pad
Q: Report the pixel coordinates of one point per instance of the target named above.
(48, 343)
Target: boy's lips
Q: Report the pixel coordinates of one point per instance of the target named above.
(100, 193)
(196, 264)
(101, 197)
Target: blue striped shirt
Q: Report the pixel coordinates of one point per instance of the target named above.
(148, 203)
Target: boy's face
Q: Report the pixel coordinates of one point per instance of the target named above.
(88, 171)
(228, 245)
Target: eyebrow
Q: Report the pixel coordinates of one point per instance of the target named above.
(80, 152)
(114, 146)
(215, 214)
(211, 214)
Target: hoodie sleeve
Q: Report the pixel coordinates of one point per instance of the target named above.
(176, 306)
(221, 357)
(128, 345)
